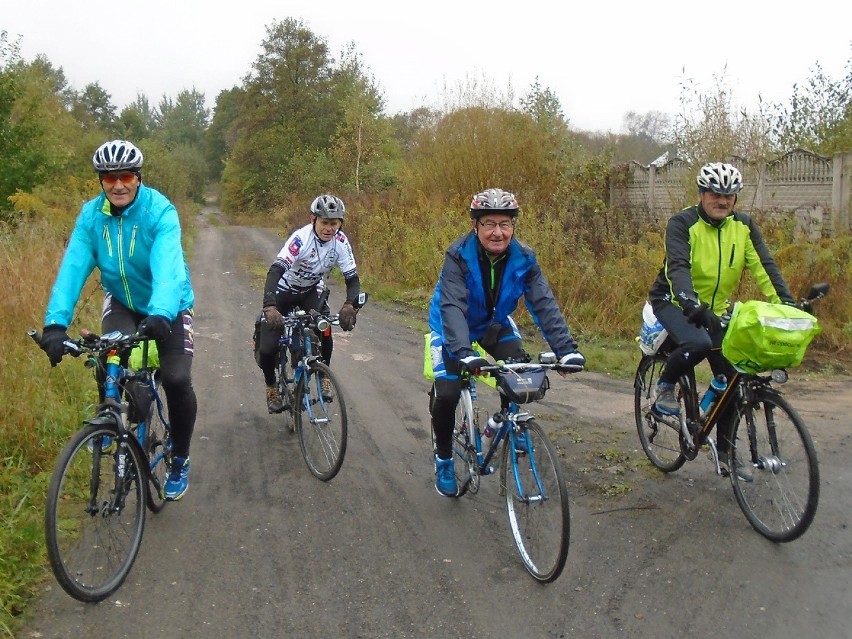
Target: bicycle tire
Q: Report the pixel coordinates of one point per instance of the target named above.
(285, 389)
(91, 549)
(777, 483)
(659, 439)
(536, 502)
(321, 422)
(158, 447)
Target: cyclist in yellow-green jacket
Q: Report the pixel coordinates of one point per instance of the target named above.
(708, 246)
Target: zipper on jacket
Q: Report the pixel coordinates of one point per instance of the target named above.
(133, 240)
(733, 250)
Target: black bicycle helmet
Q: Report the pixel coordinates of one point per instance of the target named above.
(721, 178)
(328, 206)
(493, 201)
(117, 155)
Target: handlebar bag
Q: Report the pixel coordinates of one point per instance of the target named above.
(762, 336)
(523, 387)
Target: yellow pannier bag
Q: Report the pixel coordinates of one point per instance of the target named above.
(135, 361)
(762, 336)
(429, 373)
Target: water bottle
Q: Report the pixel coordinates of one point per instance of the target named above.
(491, 428)
(717, 386)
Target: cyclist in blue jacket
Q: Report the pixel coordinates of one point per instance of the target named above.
(131, 233)
(485, 274)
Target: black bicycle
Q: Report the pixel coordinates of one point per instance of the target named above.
(108, 471)
(314, 404)
(774, 470)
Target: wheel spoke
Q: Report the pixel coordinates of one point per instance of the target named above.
(94, 521)
(321, 422)
(537, 503)
(777, 477)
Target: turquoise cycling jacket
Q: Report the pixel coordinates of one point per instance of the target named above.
(138, 253)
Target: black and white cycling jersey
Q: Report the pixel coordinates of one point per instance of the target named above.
(305, 260)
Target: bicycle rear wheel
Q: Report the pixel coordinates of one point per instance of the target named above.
(537, 501)
(659, 436)
(158, 447)
(94, 521)
(775, 473)
(321, 421)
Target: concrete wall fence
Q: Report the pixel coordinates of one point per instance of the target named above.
(815, 190)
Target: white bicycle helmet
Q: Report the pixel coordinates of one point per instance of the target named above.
(721, 178)
(493, 201)
(328, 206)
(117, 155)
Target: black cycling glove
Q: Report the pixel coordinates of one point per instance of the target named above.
(51, 343)
(703, 316)
(156, 327)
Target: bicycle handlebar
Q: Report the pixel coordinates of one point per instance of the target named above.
(311, 318)
(520, 367)
(93, 343)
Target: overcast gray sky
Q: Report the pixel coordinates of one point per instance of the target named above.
(601, 58)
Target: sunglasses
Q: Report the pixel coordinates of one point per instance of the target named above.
(111, 179)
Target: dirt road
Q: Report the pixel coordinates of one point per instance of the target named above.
(259, 548)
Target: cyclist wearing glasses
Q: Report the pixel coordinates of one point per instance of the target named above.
(295, 278)
(131, 233)
(485, 274)
(708, 246)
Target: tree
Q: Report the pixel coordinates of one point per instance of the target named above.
(94, 110)
(184, 120)
(138, 120)
(290, 105)
(362, 132)
(543, 106)
(38, 136)
(218, 138)
(819, 115)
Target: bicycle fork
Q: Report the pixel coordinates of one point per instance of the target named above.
(520, 446)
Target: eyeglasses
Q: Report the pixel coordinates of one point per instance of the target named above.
(490, 225)
(110, 179)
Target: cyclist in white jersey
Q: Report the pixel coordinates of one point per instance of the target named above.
(296, 279)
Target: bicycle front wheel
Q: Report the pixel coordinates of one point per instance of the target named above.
(659, 436)
(158, 447)
(320, 416)
(94, 519)
(775, 473)
(537, 501)
(285, 381)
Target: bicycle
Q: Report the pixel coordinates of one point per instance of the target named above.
(535, 491)
(775, 475)
(314, 404)
(108, 472)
